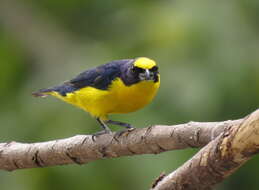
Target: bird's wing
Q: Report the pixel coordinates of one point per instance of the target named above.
(100, 77)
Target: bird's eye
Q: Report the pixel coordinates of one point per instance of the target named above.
(154, 69)
(137, 70)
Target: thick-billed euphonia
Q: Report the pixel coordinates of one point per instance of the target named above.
(120, 86)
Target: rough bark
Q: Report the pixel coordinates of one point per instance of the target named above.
(228, 145)
(82, 149)
(216, 161)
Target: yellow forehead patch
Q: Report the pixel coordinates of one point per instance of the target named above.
(144, 63)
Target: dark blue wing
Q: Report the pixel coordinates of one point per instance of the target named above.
(100, 77)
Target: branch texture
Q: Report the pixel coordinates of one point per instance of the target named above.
(82, 149)
(219, 159)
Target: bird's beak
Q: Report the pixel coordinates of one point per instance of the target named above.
(147, 74)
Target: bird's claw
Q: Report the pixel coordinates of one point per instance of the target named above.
(120, 133)
(99, 133)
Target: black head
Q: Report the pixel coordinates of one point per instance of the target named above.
(145, 74)
(140, 69)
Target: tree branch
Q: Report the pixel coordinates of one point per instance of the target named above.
(82, 149)
(216, 161)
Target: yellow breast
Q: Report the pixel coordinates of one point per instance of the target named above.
(134, 97)
(117, 99)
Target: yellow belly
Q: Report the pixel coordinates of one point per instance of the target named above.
(117, 99)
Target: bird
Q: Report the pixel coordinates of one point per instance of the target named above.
(117, 87)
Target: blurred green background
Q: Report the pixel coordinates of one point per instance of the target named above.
(207, 51)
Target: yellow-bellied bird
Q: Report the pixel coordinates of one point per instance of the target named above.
(120, 86)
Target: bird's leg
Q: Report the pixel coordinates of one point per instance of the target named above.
(126, 125)
(105, 130)
(119, 133)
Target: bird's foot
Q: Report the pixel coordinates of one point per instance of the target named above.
(118, 123)
(99, 133)
(121, 132)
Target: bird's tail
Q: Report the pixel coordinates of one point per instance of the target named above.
(43, 92)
